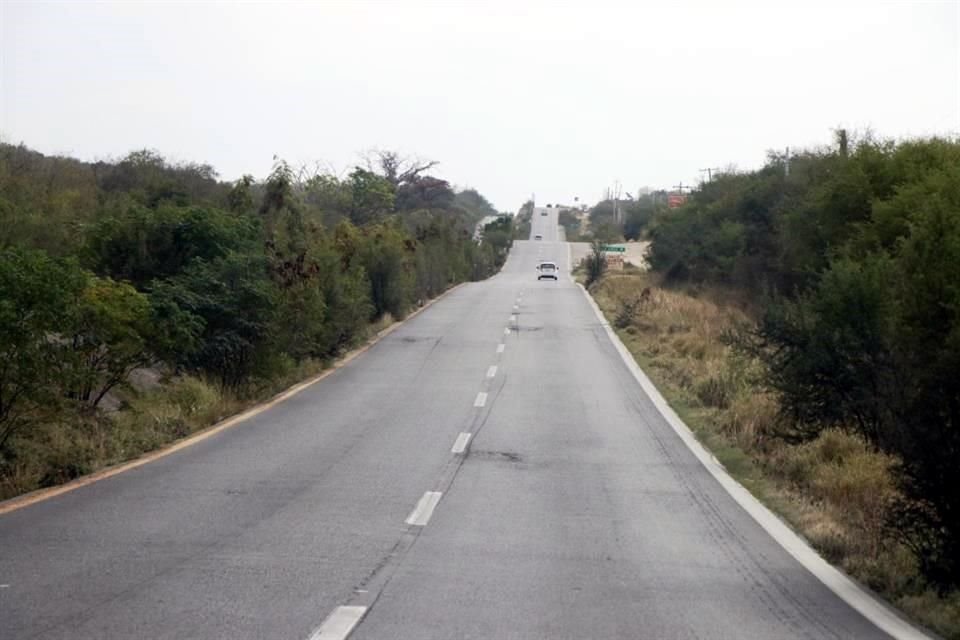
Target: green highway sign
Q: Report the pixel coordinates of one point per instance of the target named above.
(613, 247)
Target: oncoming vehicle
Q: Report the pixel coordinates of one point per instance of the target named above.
(548, 271)
(538, 237)
(543, 213)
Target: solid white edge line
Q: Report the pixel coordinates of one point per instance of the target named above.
(339, 623)
(481, 399)
(460, 445)
(868, 605)
(501, 347)
(420, 515)
(492, 371)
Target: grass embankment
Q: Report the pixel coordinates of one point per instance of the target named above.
(61, 450)
(836, 491)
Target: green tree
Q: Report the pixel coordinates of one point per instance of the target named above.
(473, 204)
(105, 338)
(35, 292)
(874, 345)
(139, 244)
(424, 192)
(240, 197)
(372, 197)
(637, 216)
(235, 301)
(330, 197)
(498, 235)
(571, 224)
(385, 255)
(148, 178)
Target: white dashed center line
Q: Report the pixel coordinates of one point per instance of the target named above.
(461, 443)
(513, 318)
(339, 624)
(492, 371)
(481, 399)
(420, 515)
(506, 331)
(501, 347)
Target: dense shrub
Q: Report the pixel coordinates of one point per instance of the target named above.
(141, 263)
(854, 259)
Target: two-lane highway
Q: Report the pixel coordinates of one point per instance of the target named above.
(489, 470)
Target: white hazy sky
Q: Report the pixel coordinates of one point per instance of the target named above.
(557, 99)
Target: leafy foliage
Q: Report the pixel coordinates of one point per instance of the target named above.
(110, 267)
(596, 262)
(34, 289)
(855, 258)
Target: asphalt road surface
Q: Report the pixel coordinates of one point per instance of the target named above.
(571, 510)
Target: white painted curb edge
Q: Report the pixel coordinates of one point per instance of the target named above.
(874, 610)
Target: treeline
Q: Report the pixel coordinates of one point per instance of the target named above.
(110, 267)
(852, 255)
(635, 217)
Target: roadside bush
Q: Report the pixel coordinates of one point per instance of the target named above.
(863, 486)
(388, 263)
(752, 418)
(35, 292)
(68, 453)
(235, 289)
(596, 262)
(138, 244)
(235, 303)
(627, 311)
(853, 257)
(199, 401)
(843, 493)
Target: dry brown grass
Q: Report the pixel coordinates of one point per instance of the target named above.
(836, 490)
(682, 337)
(75, 445)
(385, 321)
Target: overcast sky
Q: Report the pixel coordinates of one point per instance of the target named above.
(515, 98)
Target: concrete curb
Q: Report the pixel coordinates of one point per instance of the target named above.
(859, 598)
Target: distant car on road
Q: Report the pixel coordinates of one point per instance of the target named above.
(538, 237)
(543, 213)
(548, 271)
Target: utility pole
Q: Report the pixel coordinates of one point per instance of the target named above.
(786, 163)
(709, 171)
(680, 187)
(617, 187)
